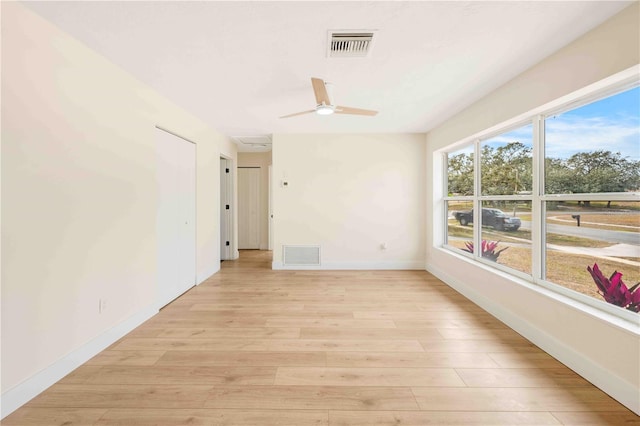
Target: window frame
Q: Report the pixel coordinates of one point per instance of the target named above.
(611, 86)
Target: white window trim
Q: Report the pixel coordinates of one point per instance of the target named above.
(616, 83)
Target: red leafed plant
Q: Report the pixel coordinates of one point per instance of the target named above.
(615, 291)
(487, 249)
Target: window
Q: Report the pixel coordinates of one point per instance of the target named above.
(460, 172)
(506, 161)
(459, 223)
(460, 166)
(593, 150)
(557, 200)
(608, 236)
(506, 165)
(509, 226)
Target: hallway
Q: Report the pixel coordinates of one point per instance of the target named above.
(252, 346)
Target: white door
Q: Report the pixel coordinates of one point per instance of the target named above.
(175, 216)
(248, 207)
(225, 209)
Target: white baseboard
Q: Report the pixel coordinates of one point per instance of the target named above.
(19, 395)
(202, 277)
(352, 266)
(616, 387)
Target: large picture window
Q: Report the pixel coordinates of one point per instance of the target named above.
(506, 162)
(559, 197)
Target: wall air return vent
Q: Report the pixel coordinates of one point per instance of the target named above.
(301, 255)
(350, 44)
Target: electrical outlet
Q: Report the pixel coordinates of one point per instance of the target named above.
(102, 305)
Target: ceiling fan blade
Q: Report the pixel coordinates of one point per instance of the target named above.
(298, 113)
(320, 90)
(355, 111)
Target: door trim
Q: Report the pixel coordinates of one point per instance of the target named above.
(226, 194)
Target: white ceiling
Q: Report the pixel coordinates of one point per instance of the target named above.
(240, 65)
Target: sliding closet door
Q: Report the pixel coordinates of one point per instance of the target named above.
(176, 216)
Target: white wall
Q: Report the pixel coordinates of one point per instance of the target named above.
(262, 160)
(605, 353)
(349, 193)
(79, 201)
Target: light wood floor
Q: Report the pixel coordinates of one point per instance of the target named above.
(261, 347)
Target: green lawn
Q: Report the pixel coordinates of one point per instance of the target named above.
(567, 270)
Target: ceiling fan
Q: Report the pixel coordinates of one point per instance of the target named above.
(324, 105)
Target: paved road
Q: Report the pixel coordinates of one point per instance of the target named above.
(618, 237)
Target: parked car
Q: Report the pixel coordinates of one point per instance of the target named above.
(494, 218)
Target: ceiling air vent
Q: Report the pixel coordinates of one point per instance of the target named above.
(345, 44)
(261, 141)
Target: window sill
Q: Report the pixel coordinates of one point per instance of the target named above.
(618, 317)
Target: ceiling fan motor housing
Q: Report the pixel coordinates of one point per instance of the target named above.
(323, 109)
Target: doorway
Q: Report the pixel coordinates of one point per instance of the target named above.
(249, 208)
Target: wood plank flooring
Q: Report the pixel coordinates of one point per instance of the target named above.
(252, 346)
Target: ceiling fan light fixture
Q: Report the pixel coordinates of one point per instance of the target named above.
(325, 109)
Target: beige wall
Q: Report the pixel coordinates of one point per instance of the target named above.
(607, 354)
(349, 193)
(79, 193)
(262, 160)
